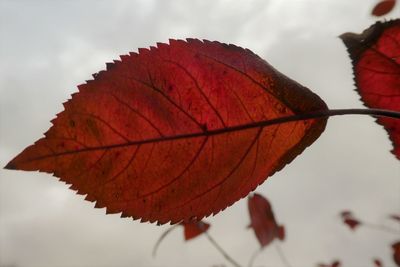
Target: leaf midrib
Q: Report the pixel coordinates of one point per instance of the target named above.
(205, 133)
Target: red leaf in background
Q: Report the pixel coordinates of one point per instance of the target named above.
(176, 132)
(352, 223)
(194, 229)
(349, 219)
(396, 253)
(263, 220)
(378, 263)
(376, 57)
(335, 263)
(395, 217)
(383, 7)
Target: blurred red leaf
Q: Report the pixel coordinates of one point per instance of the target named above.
(395, 217)
(263, 220)
(352, 223)
(383, 7)
(335, 263)
(396, 252)
(176, 132)
(349, 220)
(378, 263)
(375, 55)
(194, 229)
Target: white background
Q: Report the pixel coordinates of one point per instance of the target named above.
(48, 47)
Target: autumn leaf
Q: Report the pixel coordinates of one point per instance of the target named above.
(383, 7)
(377, 263)
(335, 263)
(395, 217)
(352, 223)
(396, 253)
(176, 132)
(263, 220)
(375, 55)
(350, 220)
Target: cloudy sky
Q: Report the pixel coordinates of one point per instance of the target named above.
(49, 47)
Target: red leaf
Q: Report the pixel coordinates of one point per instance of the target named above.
(349, 219)
(375, 55)
(383, 7)
(378, 263)
(263, 220)
(176, 132)
(395, 217)
(396, 253)
(194, 229)
(352, 223)
(335, 263)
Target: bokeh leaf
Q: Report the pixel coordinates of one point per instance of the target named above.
(396, 253)
(349, 219)
(383, 7)
(263, 220)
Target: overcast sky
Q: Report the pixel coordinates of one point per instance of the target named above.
(48, 47)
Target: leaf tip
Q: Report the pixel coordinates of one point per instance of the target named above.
(357, 43)
(10, 166)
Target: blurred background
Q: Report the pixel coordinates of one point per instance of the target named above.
(49, 47)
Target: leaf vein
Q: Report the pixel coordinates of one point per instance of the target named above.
(153, 87)
(137, 113)
(196, 156)
(199, 89)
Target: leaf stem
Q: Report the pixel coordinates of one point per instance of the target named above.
(161, 238)
(381, 227)
(338, 112)
(253, 257)
(282, 255)
(209, 237)
(221, 250)
(279, 251)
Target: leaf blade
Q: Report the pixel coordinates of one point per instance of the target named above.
(383, 7)
(376, 67)
(143, 137)
(263, 220)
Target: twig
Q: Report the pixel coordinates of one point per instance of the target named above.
(282, 255)
(161, 239)
(221, 250)
(381, 227)
(253, 256)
